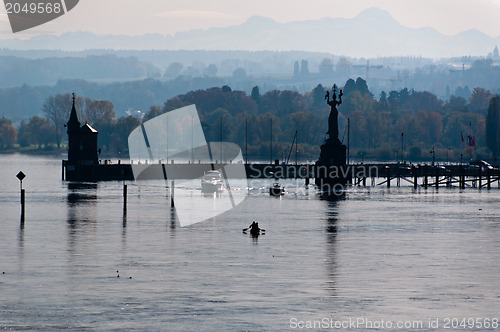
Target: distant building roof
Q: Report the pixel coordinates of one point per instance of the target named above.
(88, 128)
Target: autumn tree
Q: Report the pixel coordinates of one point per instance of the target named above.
(153, 112)
(282, 103)
(492, 125)
(122, 130)
(318, 96)
(8, 133)
(356, 96)
(455, 104)
(430, 126)
(255, 94)
(479, 100)
(422, 101)
(37, 131)
(308, 125)
(57, 109)
(98, 111)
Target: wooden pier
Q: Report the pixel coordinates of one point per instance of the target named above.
(375, 174)
(463, 176)
(387, 174)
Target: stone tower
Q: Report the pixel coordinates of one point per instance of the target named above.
(82, 141)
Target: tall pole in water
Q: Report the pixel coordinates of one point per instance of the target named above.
(296, 147)
(21, 176)
(271, 141)
(220, 144)
(348, 139)
(402, 148)
(192, 139)
(167, 139)
(124, 198)
(246, 140)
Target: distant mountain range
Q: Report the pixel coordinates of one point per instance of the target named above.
(372, 33)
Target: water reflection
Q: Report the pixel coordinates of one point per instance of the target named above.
(332, 196)
(81, 193)
(255, 238)
(331, 231)
(173, 219)
(81, 202)
(124, 227)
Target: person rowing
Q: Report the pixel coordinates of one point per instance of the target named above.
(254, 228)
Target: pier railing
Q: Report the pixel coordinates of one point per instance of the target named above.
(374, 174)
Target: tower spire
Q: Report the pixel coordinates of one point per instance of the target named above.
(73, 124)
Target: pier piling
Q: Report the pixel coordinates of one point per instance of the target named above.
(124, 199)
(172, 188)
(388, 177)
(437, 177)
(22, 206)
(415, 177)
(21, 176)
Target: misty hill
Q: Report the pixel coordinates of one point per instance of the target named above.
(372, 33)
(16, 71)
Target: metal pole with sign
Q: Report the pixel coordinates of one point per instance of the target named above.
(21, 176)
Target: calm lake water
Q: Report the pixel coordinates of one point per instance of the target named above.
(396, 258)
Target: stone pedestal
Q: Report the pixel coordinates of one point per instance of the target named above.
(331, 168)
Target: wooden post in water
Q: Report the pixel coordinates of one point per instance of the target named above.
(22, 206)
(307, 175)
(462, 177)
(488, 179)
(398, 182)
(415, 177)
(425, 182)
(388, 177)
(124, 199)
(437, 177)
(172, 188)
(480, 177)
(21, 176)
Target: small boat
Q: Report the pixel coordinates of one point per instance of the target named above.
(276, 190)
(255, 230)
(212, 182)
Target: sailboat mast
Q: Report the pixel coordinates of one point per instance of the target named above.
(271, 140)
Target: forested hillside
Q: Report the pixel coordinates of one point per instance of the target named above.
(395, 124)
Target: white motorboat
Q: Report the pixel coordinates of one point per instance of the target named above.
(212, 182)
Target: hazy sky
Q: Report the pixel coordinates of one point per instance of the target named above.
(169, 16)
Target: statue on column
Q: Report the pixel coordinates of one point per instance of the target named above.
(332, 156)
(333, 127)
